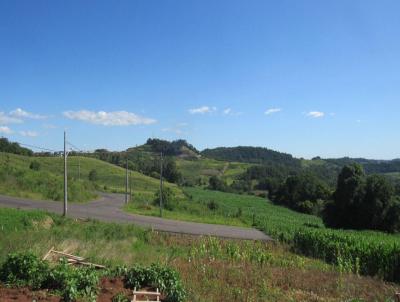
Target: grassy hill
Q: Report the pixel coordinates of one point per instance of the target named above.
(17, 178)
(198, 171)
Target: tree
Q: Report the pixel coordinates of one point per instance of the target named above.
(361, 202)
(170, 171)
(168, 199)
(217, 184)
(347, 198)
(376, 202)
(302, 192)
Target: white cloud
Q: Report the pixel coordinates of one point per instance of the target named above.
(29, 133)
(5, 119)
(202, 110)
(230, 112)
(316, 114)
(19, 113)
(272, 110)
(227, 111)
(115, 118)
(5, 130)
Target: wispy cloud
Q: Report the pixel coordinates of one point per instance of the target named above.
(19, 113)
(5, 130)
(29, 133)
(316, 114)
(6, 119)
(231, 112)
(202, 110)
(115, 118)
(227, 111)
(272, 111)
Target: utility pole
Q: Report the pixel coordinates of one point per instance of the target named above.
(65, 175)
(79, 168)
(126, 182)
(130, 186)
(161, 183)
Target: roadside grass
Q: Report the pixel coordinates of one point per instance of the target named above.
(17, 179)
(185, 208)
(211, 269)
(216, 207)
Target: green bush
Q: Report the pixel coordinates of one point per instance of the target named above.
(24, 269)
(168, 199)
(165, 279)
(93, 175)
(35, 165)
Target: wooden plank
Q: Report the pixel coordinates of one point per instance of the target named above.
(147, 293)
(48, 253)
(69, 255)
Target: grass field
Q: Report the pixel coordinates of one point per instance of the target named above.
(365, 252)
(203, 168)
(17, 179)
(211, 269)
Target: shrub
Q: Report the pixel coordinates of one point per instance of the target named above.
(212, 205)
(35, 165)
(168, 199)
(164, 278)
(24, 269)
(93, 175)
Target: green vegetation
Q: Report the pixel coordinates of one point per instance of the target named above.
(303, 192)
(254, 271)
(361, 202)
(256, 155)
(188, 207)
(196, 172)
(306, 234)
(26, 269)
(164, 278)
(14, 148)
(42, 178)
(35, 178)
(71, 283)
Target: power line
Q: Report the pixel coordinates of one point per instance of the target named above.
(36, 147)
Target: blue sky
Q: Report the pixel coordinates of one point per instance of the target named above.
(114, 73)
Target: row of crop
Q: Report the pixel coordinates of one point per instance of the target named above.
(366, 255)
(374, 254)
(25, 269)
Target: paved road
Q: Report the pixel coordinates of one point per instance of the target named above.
(108, 208)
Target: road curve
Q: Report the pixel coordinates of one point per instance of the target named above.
(109, 208)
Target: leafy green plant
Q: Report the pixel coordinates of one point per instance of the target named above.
(163, 278)
(24, 269)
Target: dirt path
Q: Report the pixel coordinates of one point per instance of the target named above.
(109, 208)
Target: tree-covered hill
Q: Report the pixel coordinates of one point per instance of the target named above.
(257, 155)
